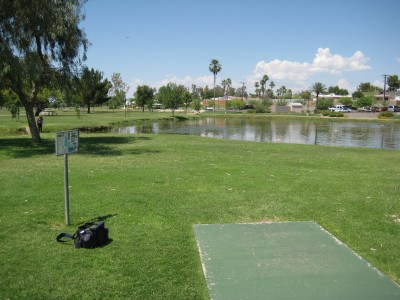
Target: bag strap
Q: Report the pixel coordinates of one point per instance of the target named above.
(86, 225)
(66, 235)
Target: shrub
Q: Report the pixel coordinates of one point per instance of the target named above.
(324, 103)
(281, 102)
(364, 101)
(385, 115)
(346, 101)
(336, 114)
(325, 112)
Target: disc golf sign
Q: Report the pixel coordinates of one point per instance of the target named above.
(66, 142)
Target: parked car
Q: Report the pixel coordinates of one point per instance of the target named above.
(339, 108)
(365, 109)
(394, 108)
(379, 108)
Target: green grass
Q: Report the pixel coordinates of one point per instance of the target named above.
(68, 119)
(151, 189)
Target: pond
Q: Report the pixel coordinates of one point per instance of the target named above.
(317, 132)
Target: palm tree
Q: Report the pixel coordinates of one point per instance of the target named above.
(263, 81)
(228, 84)
(224, 84)
(257, 85)
(214, 68)
(272, 85)
(318, 88)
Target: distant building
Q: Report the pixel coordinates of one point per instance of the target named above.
(331, 96)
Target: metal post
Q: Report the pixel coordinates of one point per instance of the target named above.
(384, 89)
(66, 193)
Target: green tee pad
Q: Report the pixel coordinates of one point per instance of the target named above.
(290, 260)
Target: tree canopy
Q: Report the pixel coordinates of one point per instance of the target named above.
(337, 91)
(393, 83)
(118, 91)
(144, 96)
(41, 43)
(171, 96)
(92, 88)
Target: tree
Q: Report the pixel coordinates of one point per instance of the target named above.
(281, 92)
(257, 85)
(346, 101)
(40, 44)
(241, 91)
(272, 85)
(263, 83)
(393, 83)
(144, 95)
(11, 102)
(364, 102)
(357, 94)
(224, 84)
(44, 98)
(238, 104)
(318, 88)
(92, 88)
(337, 91)
(368, 88)
(186, 99)
(196, 104)
(228, 86)
(118, 91)
(170, 96)
(325, 103)
(214, 67)
(306, 95)
(206, 93)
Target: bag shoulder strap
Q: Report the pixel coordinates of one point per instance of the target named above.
(66, 235)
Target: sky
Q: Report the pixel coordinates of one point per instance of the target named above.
(295, 42)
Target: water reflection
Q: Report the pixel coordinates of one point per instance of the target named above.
(318, 132)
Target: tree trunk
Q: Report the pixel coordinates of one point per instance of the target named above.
(31, 120)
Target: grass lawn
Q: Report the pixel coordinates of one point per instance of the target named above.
(151, 189)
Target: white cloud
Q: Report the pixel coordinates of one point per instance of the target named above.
(133, 84)
(292, 73)
(281, 69)
(378, 83)
(187, 81)
(343, 84)
(398, 59)
(324, 62)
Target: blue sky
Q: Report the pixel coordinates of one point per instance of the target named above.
(294, 42)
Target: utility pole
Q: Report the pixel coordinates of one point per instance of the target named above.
(242, 90)
(384, 88)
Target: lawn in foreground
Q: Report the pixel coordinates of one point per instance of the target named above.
(151, 189)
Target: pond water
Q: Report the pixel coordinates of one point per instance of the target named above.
(318, 132)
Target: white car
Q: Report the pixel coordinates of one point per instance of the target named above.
(340, 108)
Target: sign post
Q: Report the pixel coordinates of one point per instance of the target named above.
(66, 142)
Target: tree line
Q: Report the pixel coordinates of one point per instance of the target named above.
(42, 54)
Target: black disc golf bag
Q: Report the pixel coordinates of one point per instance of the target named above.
(89, 235)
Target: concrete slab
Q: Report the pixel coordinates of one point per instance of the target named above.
(289, 260)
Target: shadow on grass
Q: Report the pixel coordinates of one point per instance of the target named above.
(102, 218)
(101, 145)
